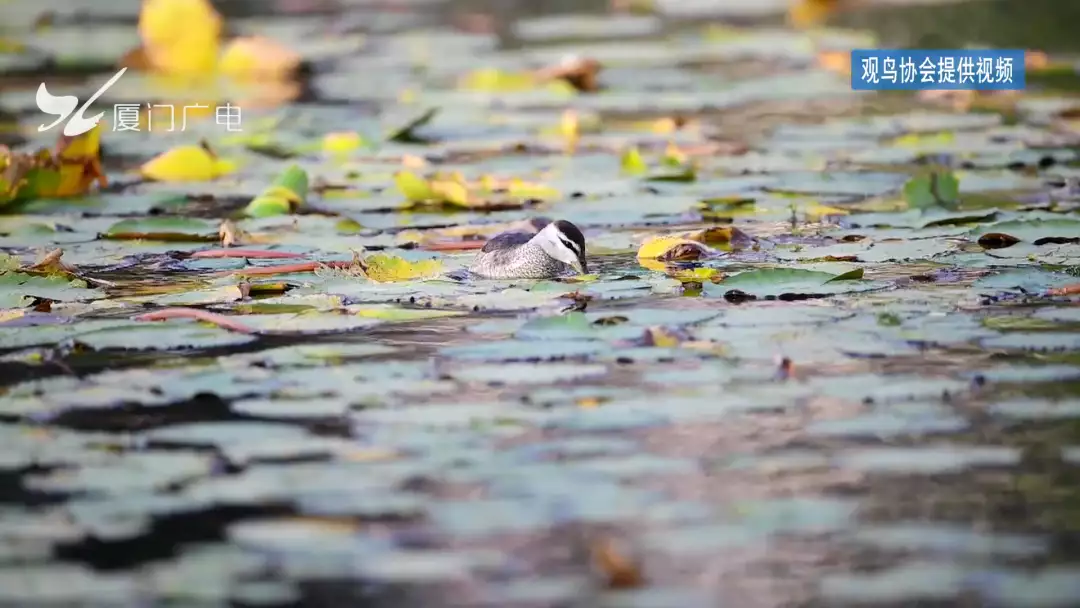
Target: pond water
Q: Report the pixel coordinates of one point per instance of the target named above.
(852, 379)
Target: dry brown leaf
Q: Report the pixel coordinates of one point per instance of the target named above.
(582, 73)
(616, 569)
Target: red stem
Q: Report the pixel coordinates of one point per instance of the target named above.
(255, 254)
(201, 315)
(283, 268)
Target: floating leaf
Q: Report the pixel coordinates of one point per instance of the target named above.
(16, 288)
(934, 189)
(186, 163)
(177, 229)
(395, 313)
(632, 163)
(454, 190)
(283, 196)
(406, 134)
(342, 142)
(767, 282)
(258, 58)
(180, 36)
(413, 187)
(383, 268)
(673, 248)
(497, 81)
(1037, 232)
(70, 170)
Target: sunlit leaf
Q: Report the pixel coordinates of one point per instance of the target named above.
(342, 142)
(180, 36)
(632, 162)
(384, 268)
(413, 187)
(673, 248)
(257, 58)
(186, 163)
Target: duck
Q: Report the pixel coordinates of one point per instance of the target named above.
(558, 248)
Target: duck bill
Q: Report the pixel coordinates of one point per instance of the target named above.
(581, 266)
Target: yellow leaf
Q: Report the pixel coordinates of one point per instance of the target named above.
(258, 58)
(86, 145)
(919, 140)
(568, 125)
(413, 187)
(717, 235)
(816, 211)
(689, 274)
(633, 163)
(805, 14)
(524, 189)
(589, 403)
(7, 45)
(9, 314)
(180, 36)
(393, 313)
(835, 61)
(79, 160)
(671, 248)
(384, 268)
(342, 142)
(661, 337)
(186, 163)
(494, 80)
(673, 156)
(451, 191)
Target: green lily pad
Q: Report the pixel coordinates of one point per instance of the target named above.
(780, 281)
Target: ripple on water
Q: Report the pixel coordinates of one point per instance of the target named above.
(786, 460)
(451, 415)
(36, 585)
(702, 540)
(423, 566)
(524, 350)
(927, 460)
(945, 539)
(1029, 373)
(909, 582)
(528, 373)
(264, 593)
(479, 518)
(549, 591)
(798, 515)
(205, 573)
(1036, 409)
(574, 447)
(888, 388)
(890, 424)
(1052, 587)
(656, 597)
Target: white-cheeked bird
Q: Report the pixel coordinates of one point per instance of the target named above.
(557, 249)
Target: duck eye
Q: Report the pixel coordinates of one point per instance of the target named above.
(571, 245)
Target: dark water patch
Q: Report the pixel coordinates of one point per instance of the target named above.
(166, 537)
